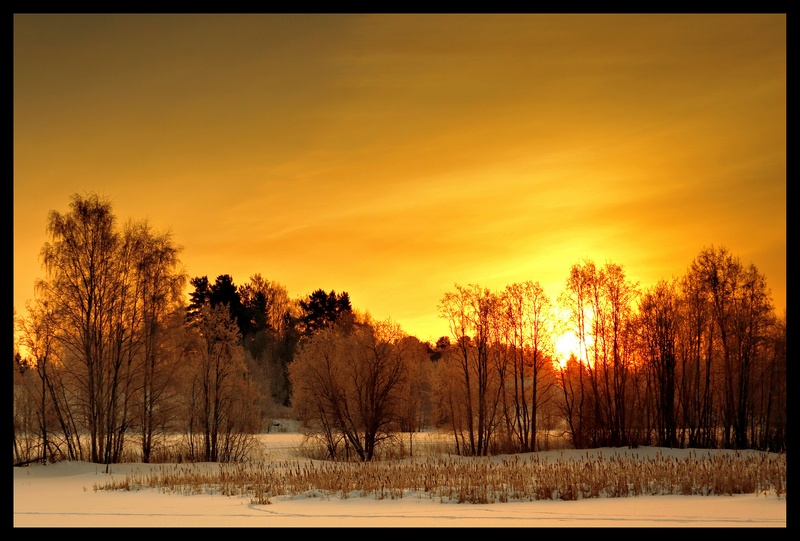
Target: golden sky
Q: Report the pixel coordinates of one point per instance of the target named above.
(393, 156)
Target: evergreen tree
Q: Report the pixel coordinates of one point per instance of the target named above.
(322, 310)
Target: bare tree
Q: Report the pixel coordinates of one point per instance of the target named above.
(416, 408)
(85, 286)
(472, 313)
(600, 300)
(741, 306)
(526, 312)
(316, 389)
(619, 295)
(222, 401)
(37, 336)
(351, 389)
(159, 288)
(659, 326)
(575, 299)
(697, 378)
(110, 293)
(769, 409)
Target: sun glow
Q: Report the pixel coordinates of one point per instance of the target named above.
(567, 344)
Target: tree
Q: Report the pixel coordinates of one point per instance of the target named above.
(222, 292)
(267, 303)
(86, 284)
(741, 307)
(619, 295)
(471, 314)
(221, 401)
(38, 337)
(526, 312)
(322, 309)
(273, 337)
(351, 389)
(159, 284)
(200, 297)
(418, 410)
(599, 300)
(108, 294)
(575, 298)
(225, 292)
(769, 423)
(659, 327)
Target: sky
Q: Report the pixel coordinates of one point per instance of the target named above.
(63, 495)
(393, 156)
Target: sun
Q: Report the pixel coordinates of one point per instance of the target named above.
(566, 345)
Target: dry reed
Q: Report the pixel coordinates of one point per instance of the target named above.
(474, 480)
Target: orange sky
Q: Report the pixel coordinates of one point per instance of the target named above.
(392, 156)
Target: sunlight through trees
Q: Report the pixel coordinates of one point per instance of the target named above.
(111, 362)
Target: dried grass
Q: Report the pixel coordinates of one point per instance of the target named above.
(474, 480)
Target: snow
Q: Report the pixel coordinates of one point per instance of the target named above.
(63, 495)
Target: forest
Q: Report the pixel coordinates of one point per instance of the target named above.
(113, 363)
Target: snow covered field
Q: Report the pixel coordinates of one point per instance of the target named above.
(63, 495)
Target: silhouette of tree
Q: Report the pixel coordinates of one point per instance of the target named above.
(322, 309)
(472, 380)
(526, 320)
(600, 300)
(658, 328)
(741, 308)
(200, 297)
(222, 291)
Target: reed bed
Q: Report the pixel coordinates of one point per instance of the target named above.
(473, 480)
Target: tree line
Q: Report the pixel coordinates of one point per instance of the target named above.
(118, 366)
(699, 361)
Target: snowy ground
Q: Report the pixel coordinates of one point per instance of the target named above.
(63, 495)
